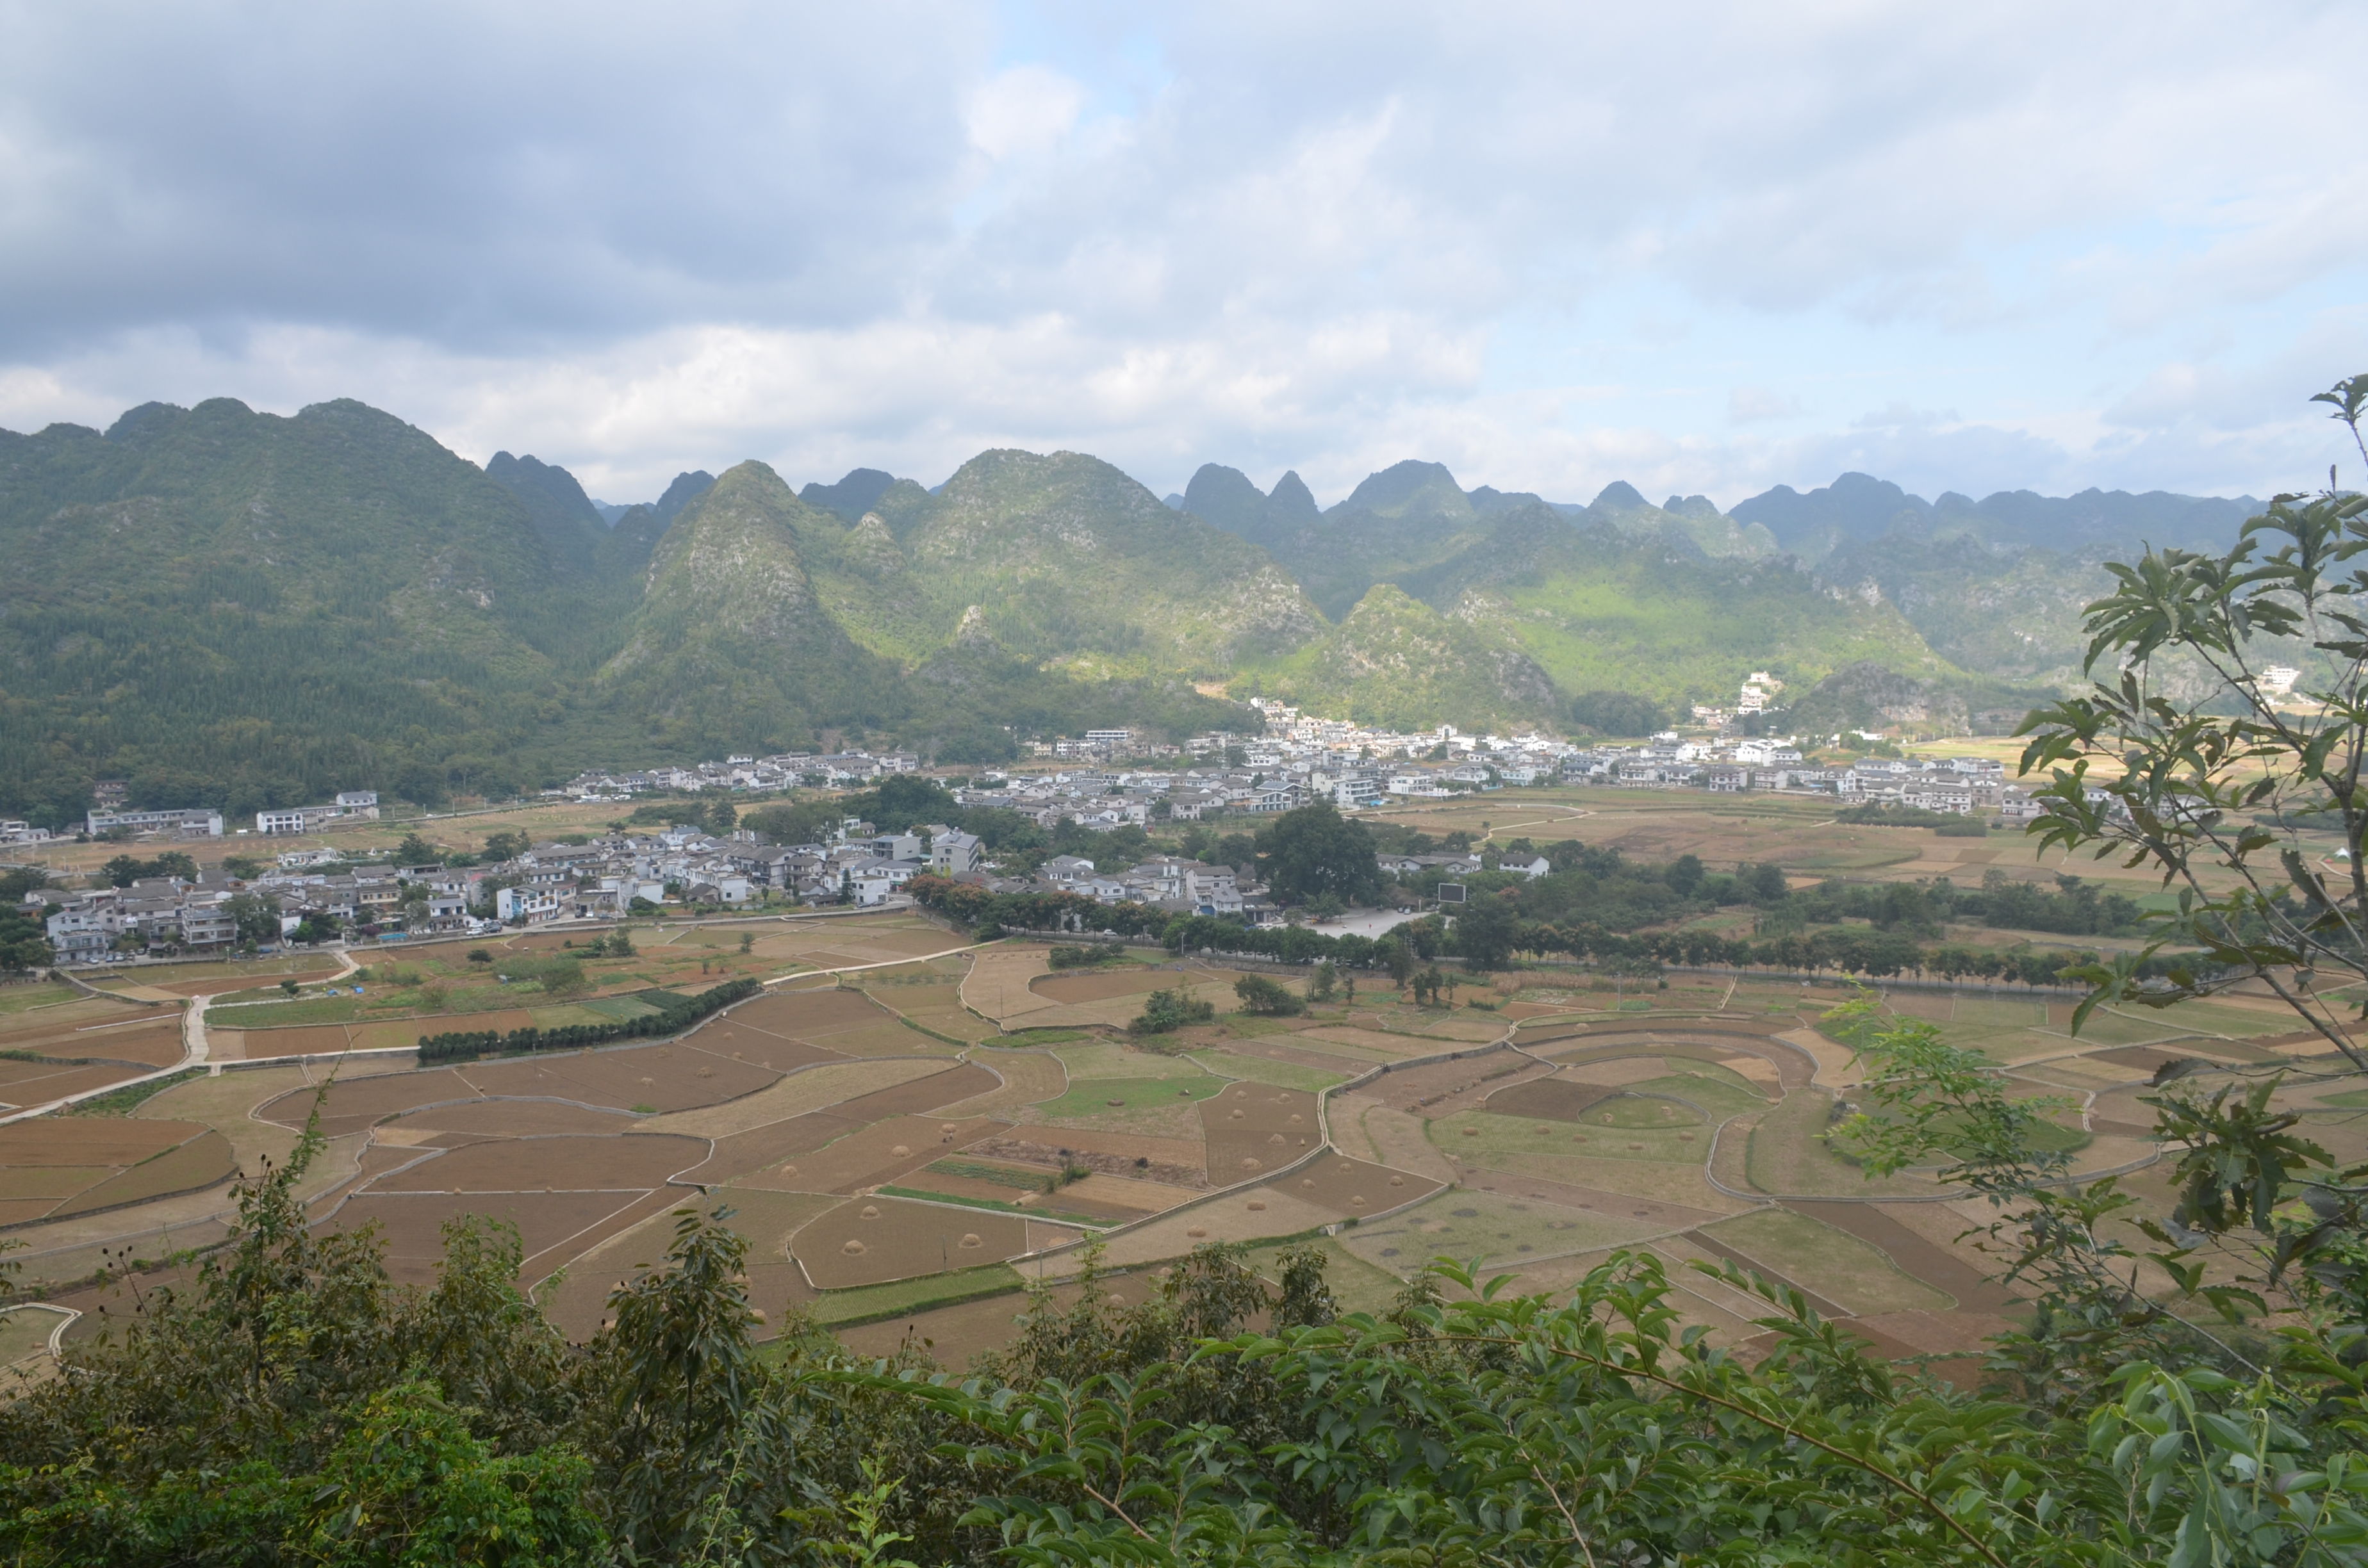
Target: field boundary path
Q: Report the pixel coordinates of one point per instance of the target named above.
(1323, 1148)
(883, 963)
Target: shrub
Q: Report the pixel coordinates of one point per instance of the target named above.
(1263, 996)
(1165, 1012)
(1078, 958)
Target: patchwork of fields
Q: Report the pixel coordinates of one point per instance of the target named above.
(908, 1144)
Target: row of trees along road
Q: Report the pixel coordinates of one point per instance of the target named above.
(2202, 1405)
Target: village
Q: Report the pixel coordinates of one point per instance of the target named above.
(1104, 780)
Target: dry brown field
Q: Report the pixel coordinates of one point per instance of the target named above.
(57, 1167)
(885, 1152)
(561, 1163)
(869, 1241)
(1256, 1127)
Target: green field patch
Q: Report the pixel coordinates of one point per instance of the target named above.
(131, 1096)
(1476, 1135)
(1258, 1070)
(24, 1333)
(998, 1206)
(1848, 1272)
(1787, 1153)
(2000, 1012)
(2239, 1023)
(1105, 1059)
(1488, 1226)
(1117, 1103)
(870, 1303)
(21, 998)
(1035, 1040)
(632, 1006)
(1019, 1178)
(1358, 1286)
(279, 1014)
(1719, 1092)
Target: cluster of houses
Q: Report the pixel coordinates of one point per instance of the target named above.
(787, 770)
(1957, 784)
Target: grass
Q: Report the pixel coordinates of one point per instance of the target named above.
(1017, 1177)
(1838, 1267)
(1035, 1040)
(131, 1096)
(1089, 1098)
(25, 1332)
(1717, 1091)
(23, 998)
(997, 1206)
(1786, 1154)
(1465, 1225)
(1100, 1060)
(1664, 1144)
(870, 1303)
(1632, 1109)
(1258, 1070)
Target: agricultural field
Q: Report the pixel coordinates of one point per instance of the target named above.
(911, 1139)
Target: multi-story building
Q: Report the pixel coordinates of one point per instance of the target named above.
(200, 821)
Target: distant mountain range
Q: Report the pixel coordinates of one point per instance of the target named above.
(223, 605)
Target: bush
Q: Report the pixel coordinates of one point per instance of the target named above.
(1164, 1012)
(1080, 958)
(1264, 997)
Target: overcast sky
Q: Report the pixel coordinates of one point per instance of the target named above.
(1701, 248)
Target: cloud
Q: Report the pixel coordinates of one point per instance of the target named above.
(1552, 245)
(1747, 405)
(1027, 109)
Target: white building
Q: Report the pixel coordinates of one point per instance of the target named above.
(527, 906)
(203, 821)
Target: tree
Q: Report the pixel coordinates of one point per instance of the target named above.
(257, 915)
(2188, 760)
(1266, 998)
(506, 844)
(24, 943)
(1617, 713)
(1314, 850)
(416, 851)
(1484, 932)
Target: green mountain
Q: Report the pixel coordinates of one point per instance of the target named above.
(1599, 609)
(219, 605)
(1861, 508)
(1398, 663)
(1073, 563)
(1689, 519)
(730, 645)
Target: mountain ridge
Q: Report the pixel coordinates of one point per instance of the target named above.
(251, 608)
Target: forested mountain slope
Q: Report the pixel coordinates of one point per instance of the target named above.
(221, 604)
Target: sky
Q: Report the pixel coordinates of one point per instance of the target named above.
(1701, 248)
